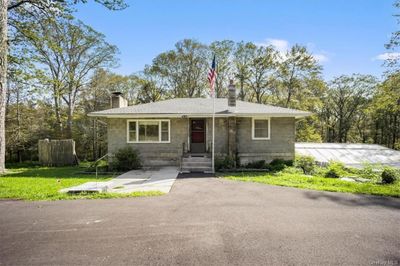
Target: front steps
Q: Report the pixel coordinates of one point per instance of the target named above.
(196, 164)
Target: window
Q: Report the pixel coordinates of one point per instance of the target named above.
(261, 128)
(164, 130)
(149, 131)
(132, 131)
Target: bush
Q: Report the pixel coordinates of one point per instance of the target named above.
(256, 164)
(389, 175)
(126, 159)
(335, 170)
(371, 171)
(292, 170)
(224, 162)
(397, 146)
(277, 165)
(306, 163)
(281, 162)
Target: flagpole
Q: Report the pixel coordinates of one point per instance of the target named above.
(213, 134)
(211, 78)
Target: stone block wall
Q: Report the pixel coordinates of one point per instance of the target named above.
(152, 154)
(280, 145)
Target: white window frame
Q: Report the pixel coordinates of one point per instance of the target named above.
(253, 128)
(148, 120)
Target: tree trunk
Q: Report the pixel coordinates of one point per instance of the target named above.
(94, 140)
(69, 121)
(394, 132)
(289, 97)
(258, 97)
(19, 144)
(242, 94)
(59, 129)
(3, 80)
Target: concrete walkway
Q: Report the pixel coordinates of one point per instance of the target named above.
(132, 181)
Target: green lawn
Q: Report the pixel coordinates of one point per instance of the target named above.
(298, 180)
(43, 183)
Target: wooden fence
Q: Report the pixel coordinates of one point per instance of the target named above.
(57, 152)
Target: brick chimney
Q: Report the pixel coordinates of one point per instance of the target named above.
(231, 95)
(117, 100)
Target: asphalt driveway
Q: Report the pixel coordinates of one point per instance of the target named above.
(205, 221)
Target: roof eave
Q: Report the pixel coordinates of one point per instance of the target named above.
(297, 116)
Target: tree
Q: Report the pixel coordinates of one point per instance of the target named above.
(149, 86)
(70, 51)
(241, 61)
(17, 5)
(392, 63)
(385, 112)
(347, 97)
(296, 65)
(311, 128)
(3, 80)
(223, 51)
(183, 69)
(95, 96)
(262, 69)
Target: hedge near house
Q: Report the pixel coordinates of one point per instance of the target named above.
(126, 159)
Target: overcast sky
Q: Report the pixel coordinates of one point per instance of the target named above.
(346, 36)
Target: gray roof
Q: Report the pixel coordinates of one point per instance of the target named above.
(355, 155)
(199, 107)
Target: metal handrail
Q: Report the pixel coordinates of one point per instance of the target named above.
(101, 158)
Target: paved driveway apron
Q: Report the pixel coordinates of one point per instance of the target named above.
(205, 221)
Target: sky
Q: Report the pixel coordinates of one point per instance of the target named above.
(346, 36)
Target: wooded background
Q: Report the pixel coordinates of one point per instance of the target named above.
(61, 69)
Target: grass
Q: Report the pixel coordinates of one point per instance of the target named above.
(30, 182)
(298, 180)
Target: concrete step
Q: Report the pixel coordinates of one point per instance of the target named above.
(196, 169)
(196, 164)
(196, 159)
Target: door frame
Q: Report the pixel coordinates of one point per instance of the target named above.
(190, 133)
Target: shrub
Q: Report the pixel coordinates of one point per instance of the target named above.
(277, 165)
(292, 170)
(397, 146)
(306, 163)
(332, 173)
(281, 162)
(224, 162)
(126, 159)
(335, 170)
(277, 162)
(256, 165)
(389, 175)
(370, 171)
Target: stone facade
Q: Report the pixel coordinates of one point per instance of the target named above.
(232, 136)
(152, 154)
(280, 145)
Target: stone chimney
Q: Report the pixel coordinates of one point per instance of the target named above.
(231, 95)
(117, 100)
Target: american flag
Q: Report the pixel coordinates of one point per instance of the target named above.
(212, 75)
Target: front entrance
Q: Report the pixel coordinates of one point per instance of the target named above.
(197, 136)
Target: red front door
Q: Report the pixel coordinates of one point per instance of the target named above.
(198, 136)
